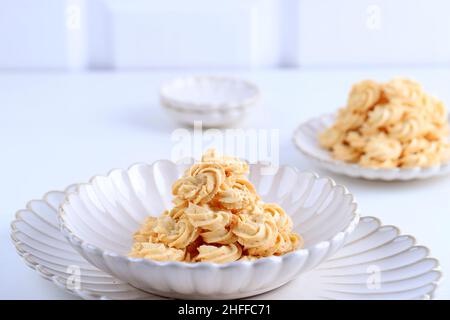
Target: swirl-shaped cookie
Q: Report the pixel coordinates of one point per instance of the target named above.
(232, 166)
(239, 196)
(423, 152)
(156, 251)
(437, 133)
(382, 148)
(214, 225)
(331, 136)
(201, 184)
(407, 129)
(282, 220)
(414, 160)
(258, 232)
(175, 233)
(205, 218)
(146, 232)
(219, 254)
(248, 258)
(178, 211)
(367, 161)
(349, 120)
(363, 96)
(345, 152)
(444, 151)
(384, 115)
(403, 89)
(437, 112)
(416, 145)
(285, 242)
(355, 140)
(221, 235)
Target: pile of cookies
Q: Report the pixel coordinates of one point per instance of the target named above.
(389, 125)
(218, 217)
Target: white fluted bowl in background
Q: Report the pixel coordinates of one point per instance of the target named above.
(213, 100)
(100, 217)
(306, 139)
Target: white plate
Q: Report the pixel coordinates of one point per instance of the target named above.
(376, 263)
(305, 138)
(214, 100)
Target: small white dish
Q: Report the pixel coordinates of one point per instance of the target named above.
(214, 100)
(306, 140)
(377, 262)
(100, 217)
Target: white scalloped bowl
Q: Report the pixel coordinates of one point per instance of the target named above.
(100, 217)
(214, 100)
(306, 140)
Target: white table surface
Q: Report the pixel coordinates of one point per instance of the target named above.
(57, 129)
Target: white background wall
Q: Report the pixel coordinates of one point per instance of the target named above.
(129, 34)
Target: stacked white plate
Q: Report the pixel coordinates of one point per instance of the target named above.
(213, 100)
(341, 259)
